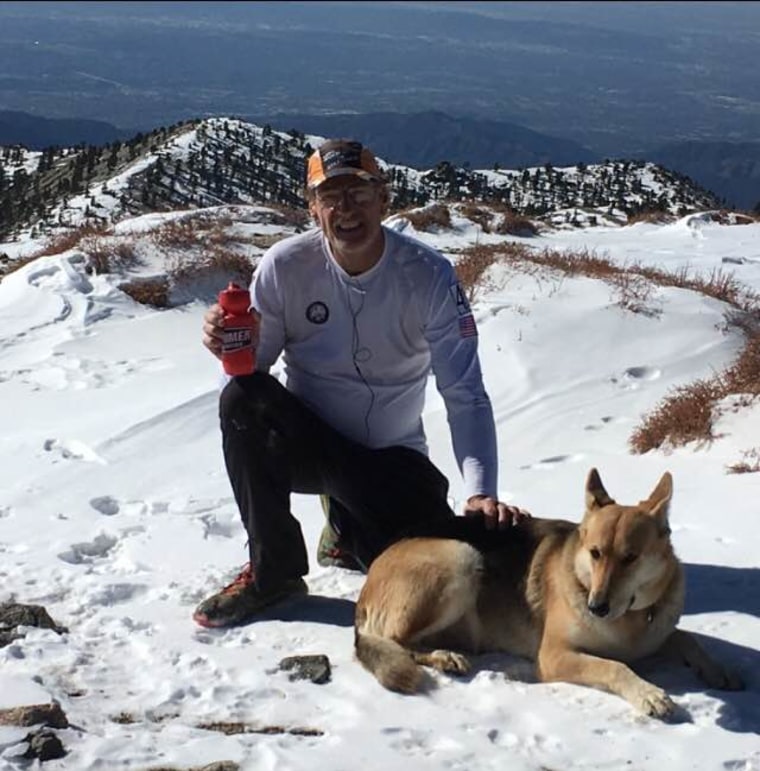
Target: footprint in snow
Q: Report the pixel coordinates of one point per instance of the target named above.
(112, 594)
(606, 420)
(72, 449)
(641, 373)
(213, 525)
(554, 460)
(106, 505)
(633, 377)
(88, 551)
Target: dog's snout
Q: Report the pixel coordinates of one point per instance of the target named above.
(600, 609)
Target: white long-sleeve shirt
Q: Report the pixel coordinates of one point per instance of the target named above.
(358, 349)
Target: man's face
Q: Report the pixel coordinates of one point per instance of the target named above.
(350, 212)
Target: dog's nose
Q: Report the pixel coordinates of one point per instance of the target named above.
(600, 609)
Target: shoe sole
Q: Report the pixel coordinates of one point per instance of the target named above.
(208, 623)
(204, 621)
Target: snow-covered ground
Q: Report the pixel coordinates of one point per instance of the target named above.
(116, 515)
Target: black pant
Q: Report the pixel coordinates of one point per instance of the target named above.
(274, 445)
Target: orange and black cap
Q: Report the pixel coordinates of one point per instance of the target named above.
(338, 157)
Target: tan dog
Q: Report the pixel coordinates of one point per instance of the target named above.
(578, 599)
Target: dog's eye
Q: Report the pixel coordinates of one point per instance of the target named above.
(595, 553)
(629, 558)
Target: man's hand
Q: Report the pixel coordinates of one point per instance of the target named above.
(496, 514)
(213, 329)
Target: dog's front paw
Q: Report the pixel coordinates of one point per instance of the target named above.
(655, 702)
(450, 662)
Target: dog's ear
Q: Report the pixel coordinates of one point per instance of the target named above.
(658, 503)
(596, 495)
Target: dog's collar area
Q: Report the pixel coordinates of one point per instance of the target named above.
(649, 611)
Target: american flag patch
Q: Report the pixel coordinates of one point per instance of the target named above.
(467, 326)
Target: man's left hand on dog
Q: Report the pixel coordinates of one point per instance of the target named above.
(495, 513)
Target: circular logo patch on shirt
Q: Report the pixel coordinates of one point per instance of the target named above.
(317, 313)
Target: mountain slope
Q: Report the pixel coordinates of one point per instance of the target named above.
(730, 169)
(424, 139)
(221, 161)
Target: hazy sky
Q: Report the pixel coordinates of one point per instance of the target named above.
(616, 77)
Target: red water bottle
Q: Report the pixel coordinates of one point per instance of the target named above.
(238, 355)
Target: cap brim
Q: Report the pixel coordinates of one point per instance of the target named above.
(345, 171)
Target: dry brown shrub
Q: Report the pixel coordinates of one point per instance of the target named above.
(471, 266)
(230, 728)
(500, 207)
(627, 279)
(60, 242)
(728, 217)
(187, 268)
(98, 255)
(727, 288)
(722, 286)
(211, 231)
(124, 718)
(211, 219)
(743, 376)
(478, 215)
(750, 463)
(125, 254)
(69, 239)
(219, 236)
(634, 292)
(265, 240)
(685, 415)
(634, 289)
(106, 255)
(578, 263)
(474, 262)
(177, 234)
(718, 284)
(513, 224)
(9, 266)
(656, 216)
(148, 291)
(435, 215)
(517, 252)
(233, 263)
(288, 216)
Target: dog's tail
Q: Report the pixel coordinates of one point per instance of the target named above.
(393, 665)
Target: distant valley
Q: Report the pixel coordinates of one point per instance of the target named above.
(618, 78)
(730, 170)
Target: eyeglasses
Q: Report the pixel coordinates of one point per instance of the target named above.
(358, 195)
